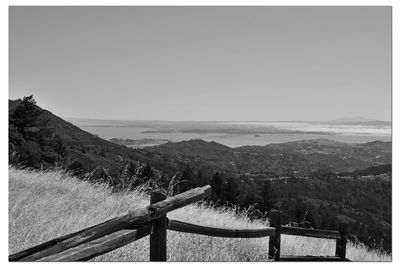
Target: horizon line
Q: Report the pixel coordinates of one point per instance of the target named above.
(191, 120)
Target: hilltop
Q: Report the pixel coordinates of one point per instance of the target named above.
(44, 205)
(359, 121)
(196, 148)
(49, 140)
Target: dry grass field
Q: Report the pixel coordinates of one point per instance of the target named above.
(45, 205)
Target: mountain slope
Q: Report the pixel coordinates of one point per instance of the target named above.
(80, 146)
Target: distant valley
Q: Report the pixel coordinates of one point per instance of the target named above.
(299, 158)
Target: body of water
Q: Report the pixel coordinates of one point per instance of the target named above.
(349, 129)
(232, 140)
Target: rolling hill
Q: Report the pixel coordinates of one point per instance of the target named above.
(300, 157)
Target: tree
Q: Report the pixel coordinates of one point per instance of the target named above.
(26, 117)
(59, 146)
(30, 136)
(216, 183)
(267, 195)
(299, 210)
(147, 172)
(231, 192)
(187, 178)
(200, 178)
(308, 217)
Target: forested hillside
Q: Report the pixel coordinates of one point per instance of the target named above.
(39, 139)
(300, 158)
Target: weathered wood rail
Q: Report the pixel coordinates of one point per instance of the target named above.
(152, 220)
(185, 227)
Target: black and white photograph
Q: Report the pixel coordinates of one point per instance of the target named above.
(200, 133)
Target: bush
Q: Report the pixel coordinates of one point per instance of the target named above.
(76, 168)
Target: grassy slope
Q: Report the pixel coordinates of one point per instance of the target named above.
(44, 205)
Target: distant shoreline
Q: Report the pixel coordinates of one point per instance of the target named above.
(148, 133)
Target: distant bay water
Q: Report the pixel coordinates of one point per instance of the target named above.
(350, 129)
(341, 133)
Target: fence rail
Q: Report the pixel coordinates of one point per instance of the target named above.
(152, 220)
(326, 234)
(312, 258)
(185, 227)
(101, 245)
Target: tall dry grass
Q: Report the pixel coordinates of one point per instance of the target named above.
(45, 205)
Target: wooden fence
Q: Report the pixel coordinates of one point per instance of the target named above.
(152, 220)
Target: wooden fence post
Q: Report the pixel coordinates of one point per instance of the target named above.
(158, 237)
(341, 243)
(275, 220)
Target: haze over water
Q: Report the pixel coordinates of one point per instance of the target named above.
(323, 127)
(134, 130)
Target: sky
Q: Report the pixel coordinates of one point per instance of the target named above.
(203, 63)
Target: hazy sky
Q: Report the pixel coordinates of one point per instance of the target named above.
(203, 63)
